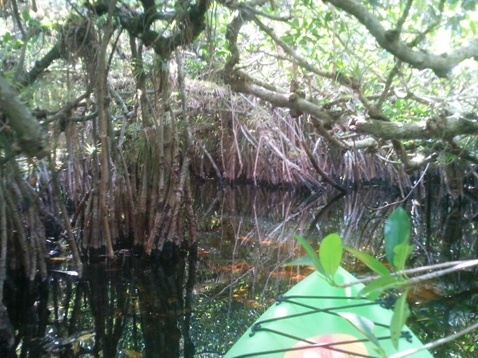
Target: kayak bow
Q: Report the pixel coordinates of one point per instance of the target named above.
(317, 320)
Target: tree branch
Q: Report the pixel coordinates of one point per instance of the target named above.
(191, 25)
(240, 82)
(191, 22)
(438, 128)
(41, 65)
(440, 64)
(29, 135)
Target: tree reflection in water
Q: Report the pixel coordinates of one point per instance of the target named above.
(197, 301)
(128, 307)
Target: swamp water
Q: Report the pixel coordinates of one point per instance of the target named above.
(199, 305)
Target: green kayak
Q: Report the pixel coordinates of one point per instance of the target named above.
(316, 320)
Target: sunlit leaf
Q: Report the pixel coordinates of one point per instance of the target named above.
(370, 261)
(330, 253)
(397, 232)
(313, 255)
(68, 273)
(305, 260)
(399, 318)
(473, 27)
(402, 252)
(294, 23)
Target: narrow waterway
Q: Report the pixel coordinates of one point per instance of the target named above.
(199, 305)
(241, 269)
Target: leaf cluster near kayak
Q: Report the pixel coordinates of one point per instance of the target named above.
(316, 319)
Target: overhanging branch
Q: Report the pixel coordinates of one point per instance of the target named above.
(440, 64)
(241, 83)
(437, 128)
(29, 135)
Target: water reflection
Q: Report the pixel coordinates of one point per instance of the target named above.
(130, 307)
(198, 301)
(253, 238)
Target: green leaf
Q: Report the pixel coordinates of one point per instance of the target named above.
(7, 36)
(473, 27)
(305, 260)
(399, 318)
(402, 252)
(397, 232)
(330, 253)
(361, 324)
(313, 256)
(375, 288)
(26, 15)
(370, 261)
(328, 16)
(294, 23)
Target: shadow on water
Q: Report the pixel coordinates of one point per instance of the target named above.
(197, 303)
(130, 307)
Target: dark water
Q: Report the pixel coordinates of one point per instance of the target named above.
(198, 305)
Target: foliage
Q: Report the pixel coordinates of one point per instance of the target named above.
(327, 58)
(313, 75)
(327, 261)
(397, 237)
(323, 52)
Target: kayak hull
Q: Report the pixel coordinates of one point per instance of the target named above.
(317, 320)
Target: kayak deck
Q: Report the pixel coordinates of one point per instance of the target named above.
(315, 319)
